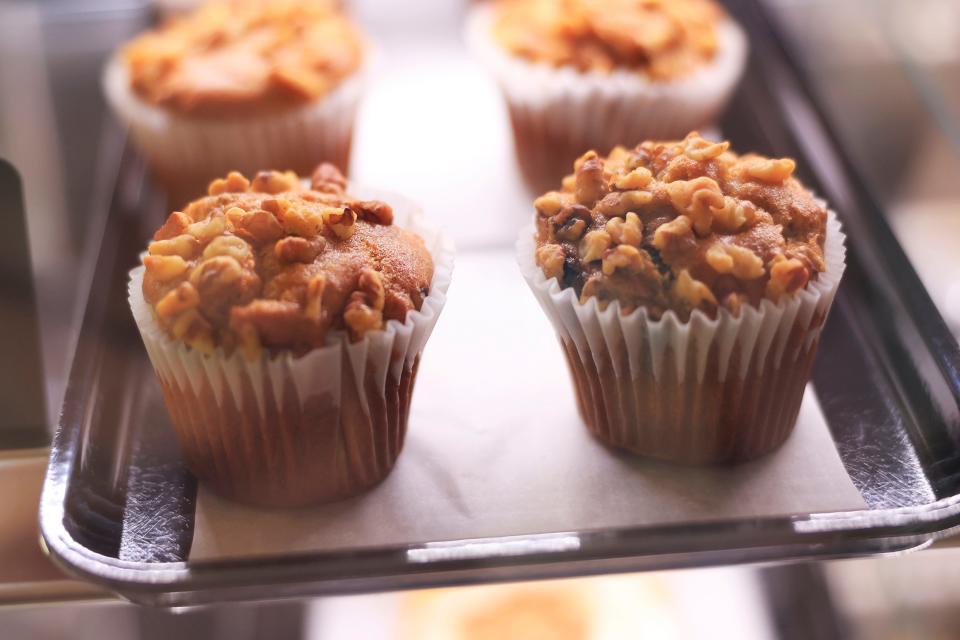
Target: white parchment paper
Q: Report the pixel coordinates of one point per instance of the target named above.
(495, 448)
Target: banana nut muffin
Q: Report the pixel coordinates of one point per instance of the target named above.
(268, 263)
(681, 226)
(688, 286)
(244, 57)
(593, 74)
(266, 311)
(238, 85)
(664, 39)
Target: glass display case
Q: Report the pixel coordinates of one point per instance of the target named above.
(863, 95)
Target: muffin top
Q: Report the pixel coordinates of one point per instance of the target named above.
(681, 226)
(270, 263)
(664, 39)
(238, 57)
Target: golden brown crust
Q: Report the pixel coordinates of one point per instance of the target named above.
(268, 263)
(239, 57)
(664, 39)
(681, 225)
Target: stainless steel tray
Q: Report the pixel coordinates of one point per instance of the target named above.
(888, 378)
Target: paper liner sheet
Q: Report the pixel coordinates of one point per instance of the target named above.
(495, 447)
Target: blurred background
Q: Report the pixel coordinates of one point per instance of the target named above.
(887, 75)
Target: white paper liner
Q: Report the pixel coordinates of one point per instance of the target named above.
(186, 152)
(346, 376)
(560, 113)
(629, 369)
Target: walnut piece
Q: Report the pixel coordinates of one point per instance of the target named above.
(550, 257)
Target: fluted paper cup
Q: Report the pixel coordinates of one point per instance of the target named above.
(185, 153)
(558, 114)
(287, 431)
(725, 389)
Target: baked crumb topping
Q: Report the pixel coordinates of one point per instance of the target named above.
(270, 263)
(242, 56)
(681, 225)
(664, 39)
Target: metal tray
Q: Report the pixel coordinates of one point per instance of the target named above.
(888, 378)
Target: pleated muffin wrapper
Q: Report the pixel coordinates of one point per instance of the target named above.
(725, 389)
(558, 114)
(185, 152)
(288, 431)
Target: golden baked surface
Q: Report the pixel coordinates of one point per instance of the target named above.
(664, 39)
(681, 225)
(269, 263)
(237, 57)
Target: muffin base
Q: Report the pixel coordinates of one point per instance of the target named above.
(686, 421)
(704, 391)
(321, 450)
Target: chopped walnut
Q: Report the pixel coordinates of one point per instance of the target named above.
(732, 215)
(175, 225)
(696, 148)
(184, 245)
(681, 225)
(314, 305)
(193, 329)
(594, 245)
(364, 312)
(590, 182)
(303, 221)
(232, 246)
(207, 229)
(680, 228)
(258, 227)
(373, 211)
(625, 257)
(297, 249)
(341, 221)
(178, 300)
(697, 199)
(165, 268)
(619, 203)
(328, 179)
(692, 292)
(274, 182)
(550, 258)
(627, 230)
(636, 179)
(786, 276)
(548, 204)
(572, 230)
(739, 261)
(235, 182)
(770, 170)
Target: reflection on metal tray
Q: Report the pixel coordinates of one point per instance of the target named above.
(888, 378)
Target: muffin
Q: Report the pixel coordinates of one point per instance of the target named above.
(688, 287)
(240, 84)
(286, 325)
(591, 74)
